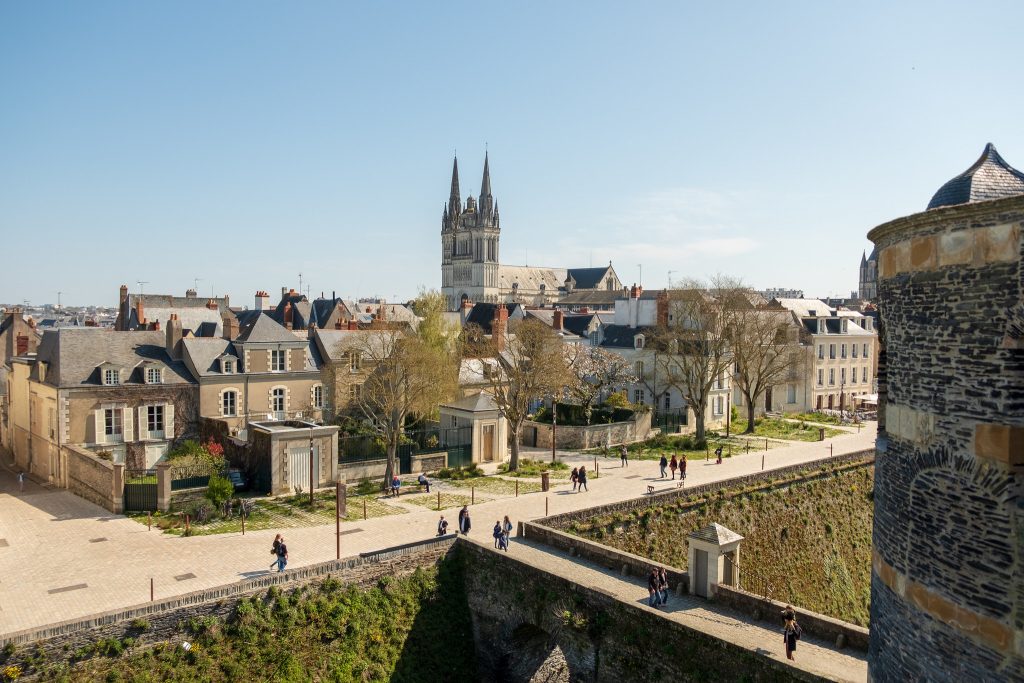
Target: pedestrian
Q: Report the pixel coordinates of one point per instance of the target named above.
(497, 533)
(663, 584)
(664, 464)
(583, 478)
(575, 477)
(682, 469)
(274, 550)
(673, 465)
(624, 455)
(423, 481)
(21, 481)
(718, 455)
(396, 484)
(464, 523)
(653, 582)
(282, 555)
(442, 526)
(506, 532)
(790, 634)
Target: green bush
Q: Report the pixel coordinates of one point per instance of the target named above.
(219, 490)
(459, 473)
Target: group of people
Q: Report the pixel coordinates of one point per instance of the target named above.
(673, 465)
(502, 530)
(280, 552)
(579, 478)
(657, 584)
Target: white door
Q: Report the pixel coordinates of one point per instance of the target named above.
(154, 453)
(298, 467)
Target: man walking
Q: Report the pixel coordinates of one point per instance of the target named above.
(442, 526)
(624, 455)
(664, 464)
(282, 556)
(653, 584)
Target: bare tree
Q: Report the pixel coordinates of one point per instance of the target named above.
(593, 371)
(693, 344)
(764, 346)
(533, 366)
(412, 373)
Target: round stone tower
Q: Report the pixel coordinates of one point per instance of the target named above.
(947, 585)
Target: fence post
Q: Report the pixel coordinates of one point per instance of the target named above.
(151, 589)
(242, 512)
(545, 506)
(472, 496)
(149, 521)
(766, 444)
(517, 488)
(438, 500)
(337, 517)
(762, 462)
(364, 508)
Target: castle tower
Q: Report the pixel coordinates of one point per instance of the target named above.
(469, 243)
(947, 583)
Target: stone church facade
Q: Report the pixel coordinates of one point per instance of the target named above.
(470, 249)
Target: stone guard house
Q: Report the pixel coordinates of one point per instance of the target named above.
(479, 413)
(278, 455)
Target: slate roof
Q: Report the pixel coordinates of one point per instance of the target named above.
(588, 278)
(594, 298)
(334, 345)
(258, 326)
(717, 534)
(204, 354)
(621, 336)
(74, 355)
(483, 314)
(193, 318)
(476, 403)
(531, 278)
(579, 324)
(804, 307)
(989, 178)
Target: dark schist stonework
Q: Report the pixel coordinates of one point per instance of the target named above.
(947, 592)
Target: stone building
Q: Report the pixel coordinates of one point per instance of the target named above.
(947, 585)
(867, 289)
(470, 264)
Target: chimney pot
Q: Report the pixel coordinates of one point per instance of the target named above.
(353, 325)
(558, 320)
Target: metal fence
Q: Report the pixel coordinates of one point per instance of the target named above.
(193, 476)
(457, 441)
(140, 490)
(669, 421)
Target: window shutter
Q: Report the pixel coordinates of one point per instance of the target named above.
(98, 426)
(143, 423)
(169, 421)
(129, 432)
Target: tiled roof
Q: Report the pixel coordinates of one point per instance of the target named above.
(989, 178)
(75, 354)
(717, 534)
(191, 317)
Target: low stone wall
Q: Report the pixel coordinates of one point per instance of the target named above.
(429, 462)
(625, 563)
(767, 478)
(94, 479)
(363, 469)
(818, 625)
(165, 618)
(591, 436)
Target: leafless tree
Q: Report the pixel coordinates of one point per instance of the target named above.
(593, 371)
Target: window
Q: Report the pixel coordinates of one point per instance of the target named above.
(842, 376)
(638, 396)
(821, 352)
(864, 373)
(790, 393)
(353, 361)
(853, 377)
(832, 351)
(154, 376)
(853, 350)
(593, 338)
(842, 351)
(831, 375)
(821, 377)
(277, 360)
(638, 341)
(354, 392)
(155, 418)
(865, 350)
(638, 369)
(112, 424)
(719, 403)
(277, 400)
(318, 396)
(53, 423)
(111, 377)
(229, 367)
(229, 404)
(454, 422)
(668, 402)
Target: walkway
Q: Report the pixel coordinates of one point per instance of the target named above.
(812, 655)
(62, 557)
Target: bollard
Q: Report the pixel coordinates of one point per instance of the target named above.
(517, 488)
(337, 517)
(364, 508)
(766, 444)
(597, 470)
(595, 462)
(830, 450)
(151, 589)
(188, 526)
(472, 496)
(545, 507)
(438, 500)
(762, 462)
(707, 453)
(149, 521)
(243, 522)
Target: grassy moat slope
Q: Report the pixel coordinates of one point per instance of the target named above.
(810, 541)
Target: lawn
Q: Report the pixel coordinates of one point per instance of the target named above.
(774, 428)
(815, 417)
(429, 500)
(684, 446)
(495, 486)
(534, 468)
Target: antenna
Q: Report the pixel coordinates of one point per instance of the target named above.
(670, 277)
(142, 285)
(195, 283)
(300, 283)
(58, 300)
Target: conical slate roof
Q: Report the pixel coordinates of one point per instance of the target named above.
(717, 534)
(989, 178)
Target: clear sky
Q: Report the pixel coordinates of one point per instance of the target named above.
(244, 143)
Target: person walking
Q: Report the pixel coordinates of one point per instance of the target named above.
(663, 584)
(21, 481)
(282, 556)
(790, 634)
(442, 526)
(624, 455)
(718, 455)
(575, 477)
(663, 463)
(653, 581)
(682, 468)
(496, 533)
(274, 550)
(506, 532)
(673, 465)
(464, 523)
(583, 478)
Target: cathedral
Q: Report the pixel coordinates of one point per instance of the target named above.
(470, 267)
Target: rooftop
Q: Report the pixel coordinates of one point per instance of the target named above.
(989, 178)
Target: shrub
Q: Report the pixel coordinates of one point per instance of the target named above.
(616, 400)
(219, 490)
(459, 473)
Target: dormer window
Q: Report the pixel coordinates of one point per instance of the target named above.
(111, 377)
(154, 375)
(353, 361)
(638, 341)
(227, 366)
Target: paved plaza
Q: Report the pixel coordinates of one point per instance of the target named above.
(62, 557)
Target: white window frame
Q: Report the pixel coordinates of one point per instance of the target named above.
(638, 369)
(154, 376)
(155, 418)
(278, 360)
(821, 352)
(831, 351)
(842, 351)
(853, 375)
(821, 377)
(278, 394)
(853, 350)
(831, 377)
(234, 403)
(111, 377)
(354, 391)
(842, 376)
(638, 396)
(354, 361)
(318, 396)
(791, 393)
(865, 349)
(113, 425)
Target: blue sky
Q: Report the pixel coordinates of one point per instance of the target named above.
(244, 143)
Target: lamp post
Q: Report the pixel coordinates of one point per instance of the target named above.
(554, 425)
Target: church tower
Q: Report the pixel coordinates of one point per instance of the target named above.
(469, 243)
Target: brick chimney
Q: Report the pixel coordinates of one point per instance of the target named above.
(124, 294)
(262, 301)
(156, 325)
(173, 337)
(211, 304)
(191, 293)
(353, 324)
(499, 327)
(662, 308)
(140, 311)
(558, 321)
(288, 315)
(229, 326)
(464, 308)
(21, 345)
(339, 325)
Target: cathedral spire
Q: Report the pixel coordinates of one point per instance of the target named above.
(455, 195)
(485, 184)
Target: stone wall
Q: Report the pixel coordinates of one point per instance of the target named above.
(947, 598)
(531, 625)
(591, 436)
(94, 479)
(165, 618)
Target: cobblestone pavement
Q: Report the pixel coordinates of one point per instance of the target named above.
(62, 557)
(812, 655)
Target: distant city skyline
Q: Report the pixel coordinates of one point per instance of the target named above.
(242, 145)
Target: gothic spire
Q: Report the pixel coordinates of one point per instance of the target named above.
(485, 185)
(455, 194)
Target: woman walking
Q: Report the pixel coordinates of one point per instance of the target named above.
(583, 478)
(575, 477)
(672, 465)
(506, 532)
(791, 634)
(663, 463)
(663, 585)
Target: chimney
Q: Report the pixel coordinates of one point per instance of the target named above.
(464, 308)
(21, 347)
(284, 292)
(173, 337)
(211, 304)
(499, 327)
(338, 325)
(353, 325)
(229, 326)
(663, 309)
(585, 309)
(140, 311)
(191, 293)
(156, 325)
(558, 321)
(262, 301)
(288, 315)
(124, 293)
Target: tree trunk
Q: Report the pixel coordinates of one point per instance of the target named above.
(392, 467)
(698, 422)
(750, 416)
(513, 462)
